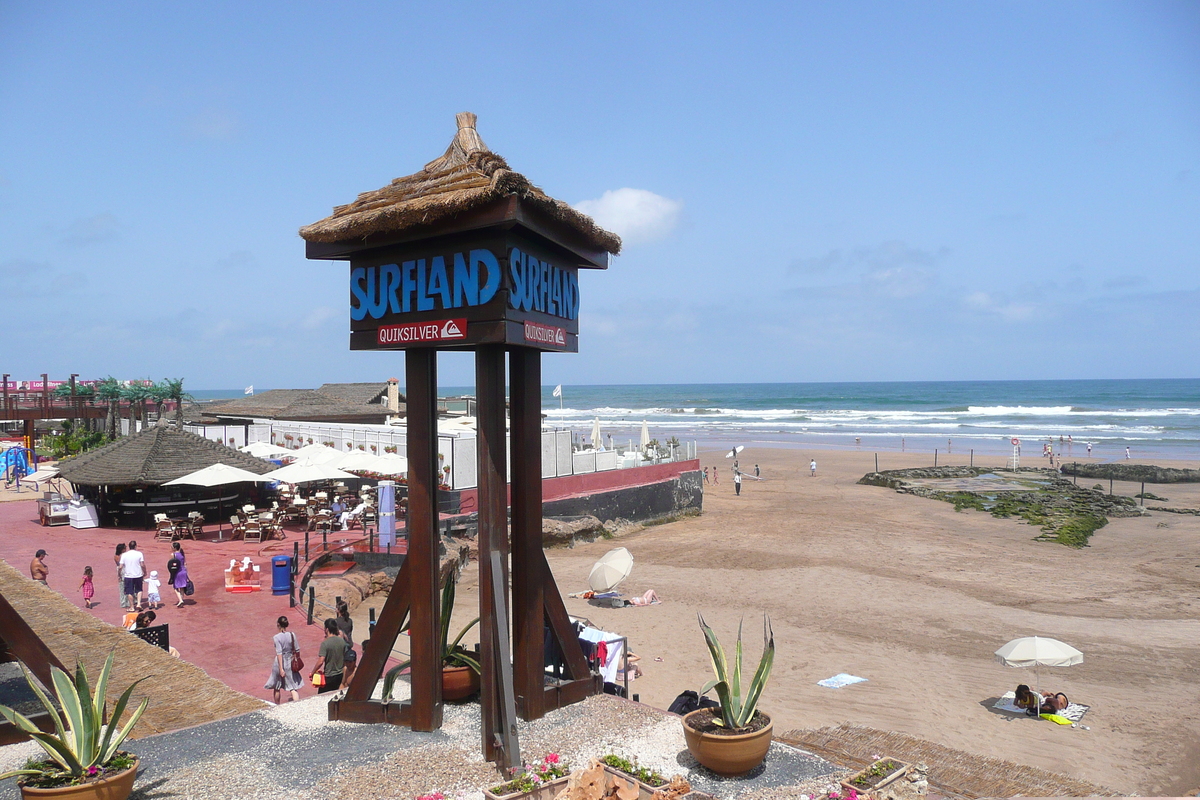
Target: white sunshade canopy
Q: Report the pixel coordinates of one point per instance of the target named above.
(316, 453)
(645, 435)
(42, 474)
(1032, 651)
(307, 471)
(265, 450)
(218, 475)
(612, 568)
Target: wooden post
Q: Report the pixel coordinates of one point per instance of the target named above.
(527, 557)
(935, 456)
(493, 538)
(1143, 497)
(421, 391)
(312, 599)
(877, 462)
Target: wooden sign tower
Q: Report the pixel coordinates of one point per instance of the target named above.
(468, 255)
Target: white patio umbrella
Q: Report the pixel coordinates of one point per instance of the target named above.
(612, 568)
(645, 436)
(356, 459)
(596, 434)
(219, 475)
(307, 471)
(316, 453)
(390, 464)
(265, 450)
(1038, 651)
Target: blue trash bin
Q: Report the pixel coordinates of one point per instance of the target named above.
(281, 575)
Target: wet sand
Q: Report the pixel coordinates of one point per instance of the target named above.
(916, 597)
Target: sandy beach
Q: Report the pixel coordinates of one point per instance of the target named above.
(916, 597)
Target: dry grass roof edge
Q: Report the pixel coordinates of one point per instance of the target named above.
(467, 176)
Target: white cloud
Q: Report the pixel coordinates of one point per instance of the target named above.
(636, 215)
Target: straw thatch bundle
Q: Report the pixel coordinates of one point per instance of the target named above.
(467, 176)
(181, 694)
(951, 772)
(156, 455)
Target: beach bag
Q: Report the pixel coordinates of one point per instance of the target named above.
(190, 589)
(689, 701)
(297, 661)
(318, 679)
(348, 655)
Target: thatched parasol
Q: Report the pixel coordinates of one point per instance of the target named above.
(468, 176)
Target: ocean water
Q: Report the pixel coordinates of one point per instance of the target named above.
(1154, 418)
(1151, 417)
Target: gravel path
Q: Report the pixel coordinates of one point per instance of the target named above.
(292, 752)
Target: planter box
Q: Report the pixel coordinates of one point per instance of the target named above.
(547, 791)
(878, 783)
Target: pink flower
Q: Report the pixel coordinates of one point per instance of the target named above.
(93, 771)
(551, 758)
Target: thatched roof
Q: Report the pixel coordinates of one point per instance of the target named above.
(466, 177)
(181, 694)
(156, 455)
(263, 404)
(341, 402)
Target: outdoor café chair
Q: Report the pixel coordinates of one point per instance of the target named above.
(253, 532)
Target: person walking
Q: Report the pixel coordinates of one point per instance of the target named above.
(85, 586)
(1126, 453)
(134, 569)
(756, 472)
(153, 598)
(346, 628)
(177, 570)
(1089, 449)
(331, 658)
(282, 674)
(706, 474)
(812, 468)
(38, 569)
(121, 574)
(716, 476)
(737, 482)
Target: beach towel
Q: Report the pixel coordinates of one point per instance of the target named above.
(840, 680)
(1072, 713)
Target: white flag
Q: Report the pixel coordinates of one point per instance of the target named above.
(558, 390)
(250, 390)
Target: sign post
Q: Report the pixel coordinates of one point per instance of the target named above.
(468, 255)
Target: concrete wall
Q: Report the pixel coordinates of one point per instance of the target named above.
(681, 493)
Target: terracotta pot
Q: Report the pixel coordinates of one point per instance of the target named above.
(727, 755)
(459, 683)
(115, 787)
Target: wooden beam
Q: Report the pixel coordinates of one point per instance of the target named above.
(423, 539)
(26, 646)
(493, 533)
(383, 637)
(528, 561)
(564, 694)
(507, 743)
(370, 711)
(560, 625)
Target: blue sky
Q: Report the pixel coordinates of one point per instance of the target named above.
(809, 192)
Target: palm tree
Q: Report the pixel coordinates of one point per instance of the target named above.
(109, 390)
(136, 394)
(172, 389)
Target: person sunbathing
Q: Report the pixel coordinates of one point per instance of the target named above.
(1048, 703)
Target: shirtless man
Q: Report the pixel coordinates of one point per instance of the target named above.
(38, 569)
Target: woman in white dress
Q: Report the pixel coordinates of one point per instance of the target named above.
(282, 674)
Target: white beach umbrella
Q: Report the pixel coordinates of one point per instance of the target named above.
(596, 434)
(265, 450)
(316, 453)
(390, 464)
(219, 475)
(1038, 651)
(645, 436)
(355, 459)
(307, 471)
(612, 568)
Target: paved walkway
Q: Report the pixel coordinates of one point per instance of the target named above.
(227, 635)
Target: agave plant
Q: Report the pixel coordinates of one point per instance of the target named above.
(452, 654)
(82, 745)
(736, 713)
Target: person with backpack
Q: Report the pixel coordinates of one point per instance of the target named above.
(285, 669)
(177, 570)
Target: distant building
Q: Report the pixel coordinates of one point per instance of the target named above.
(364, 403)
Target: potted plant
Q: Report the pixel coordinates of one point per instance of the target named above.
(733, 739)
(84, 760)
(876, 775)
(542, 780)
(460, 670)
(645, 776)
